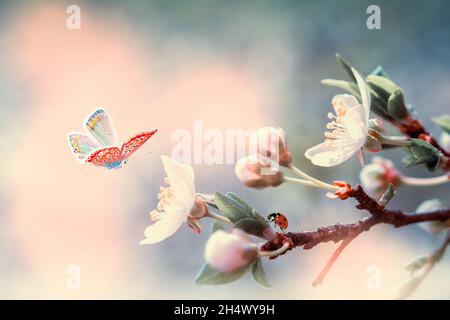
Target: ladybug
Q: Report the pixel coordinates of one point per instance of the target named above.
(279, 219)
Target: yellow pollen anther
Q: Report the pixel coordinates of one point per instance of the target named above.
(154, 215)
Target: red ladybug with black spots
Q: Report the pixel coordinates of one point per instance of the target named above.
(279, 219)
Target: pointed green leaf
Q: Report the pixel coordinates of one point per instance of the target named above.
(443, 122)
(347, 66)
(396, 105)
(212, 276)
(378, 106)
(232, 209)
(348, 86)
(388, 195)
(379, 91)
(259, 275)
(252, 226)
(241, 201)
(421, 152)
(382, 86)
(417, 263)
(409, 286)
(379, 71)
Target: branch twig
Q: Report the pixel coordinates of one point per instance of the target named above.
(347, 232)
(415, 129)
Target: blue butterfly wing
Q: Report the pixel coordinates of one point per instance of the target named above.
(82, 144)
(100, 126)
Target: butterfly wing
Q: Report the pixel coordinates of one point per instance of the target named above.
(82, 144)
(100, 125)
(129, 147)
(104, 157)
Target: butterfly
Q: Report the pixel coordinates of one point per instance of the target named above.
(99, 145)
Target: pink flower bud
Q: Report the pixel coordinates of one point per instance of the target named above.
(258, 172)
(230, 251)
(270, 143)
(199, 210)
(376, 176)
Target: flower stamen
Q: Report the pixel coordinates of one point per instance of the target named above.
(165, 195)
(343, 191)
(155, 215)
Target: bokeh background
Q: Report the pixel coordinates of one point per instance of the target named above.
(229, 64)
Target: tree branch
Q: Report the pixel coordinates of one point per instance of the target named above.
(347, 232)
(419, 275)
(415, 129)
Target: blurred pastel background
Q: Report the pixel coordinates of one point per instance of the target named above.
(165, 64)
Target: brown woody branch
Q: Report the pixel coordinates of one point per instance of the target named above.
(415, 129)
(347, 232)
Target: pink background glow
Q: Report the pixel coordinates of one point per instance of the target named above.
(62, 213)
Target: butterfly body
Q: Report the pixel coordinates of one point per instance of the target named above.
(99, 146)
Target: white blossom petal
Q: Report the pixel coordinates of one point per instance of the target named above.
(355, 124)
(181, 178)
(364, 92)
(175, 201)
(347, 99)
(164, 228)
(326, 155)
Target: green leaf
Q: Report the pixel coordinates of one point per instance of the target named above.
(217, 226)
(444, 122)
(417, 263)
(212, 276)
(378, 106)
(347, 66)
(231, 208)
(388, 195)
(252, 226)
(421, 152)
(241, 214)
(241, 201)
(382, 86)
(396, 105)
(259, 275)
(409, 286)
(348, 86)
(379, 71)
